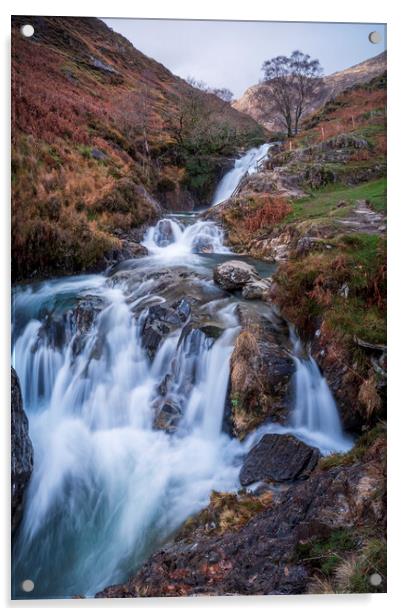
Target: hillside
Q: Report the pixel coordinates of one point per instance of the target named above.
(332, 86)
(102, 137)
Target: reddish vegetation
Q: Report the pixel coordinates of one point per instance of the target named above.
(90, 135)
(350, 111)
(269, 211)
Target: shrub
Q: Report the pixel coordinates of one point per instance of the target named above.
(265, 212)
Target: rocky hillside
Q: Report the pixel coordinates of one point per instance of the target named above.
(331, 87)
(102, 137)
(22, 453)
(318, 208)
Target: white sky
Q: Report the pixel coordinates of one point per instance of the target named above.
(230, 53)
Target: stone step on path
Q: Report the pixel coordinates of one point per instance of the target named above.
(365, 220)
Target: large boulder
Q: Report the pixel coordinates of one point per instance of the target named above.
(22, 453)
(260, 371)
(234, 275)
(278, 457)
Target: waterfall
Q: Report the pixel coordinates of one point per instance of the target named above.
(247, 164)
(314, 417)
(108, 488)
(170, 239)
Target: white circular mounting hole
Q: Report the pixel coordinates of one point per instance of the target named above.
(375, 37)
(375, 579)
(27, 30)
(27, 585)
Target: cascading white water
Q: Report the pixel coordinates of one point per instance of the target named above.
(170, 239)
(315, 418)
(108, 487)
(247, 164)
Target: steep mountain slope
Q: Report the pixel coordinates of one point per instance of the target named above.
(101, 134)
(332, 85)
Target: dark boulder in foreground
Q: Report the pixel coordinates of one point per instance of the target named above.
(22, 453)
(278, 457)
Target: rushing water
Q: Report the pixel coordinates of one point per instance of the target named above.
(246, 164)
(108, 488)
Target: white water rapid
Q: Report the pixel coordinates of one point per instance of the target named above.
(247, 164)
(108, 487)
(170, 239)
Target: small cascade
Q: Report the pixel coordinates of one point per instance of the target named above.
(246, 165)
(314, 417)
(171, 239)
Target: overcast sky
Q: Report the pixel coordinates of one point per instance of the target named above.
(230, 54)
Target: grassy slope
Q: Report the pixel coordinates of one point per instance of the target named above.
(92, 139)
(324, 202)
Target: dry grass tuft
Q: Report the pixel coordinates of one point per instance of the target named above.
(369, 397)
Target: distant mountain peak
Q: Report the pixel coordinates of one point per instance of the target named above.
(333, 85)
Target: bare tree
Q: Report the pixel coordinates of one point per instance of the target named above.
(197, 83)
(292, 82)
(134, 117)
(224, 93)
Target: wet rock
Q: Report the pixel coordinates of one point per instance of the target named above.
(164, 234)
(161, 319)
(167, 417)
(22, 453)
(183, 309)
(128, 250)
(212, 331)
(260, 372)
(202, 245)
(152, 334)
(262, 557)
(234, 275)
(258, 289)
(85, 312)
(52, 331)
(82, 319)
(278, 457)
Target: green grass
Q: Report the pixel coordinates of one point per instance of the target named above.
(322, 203)
(326, 552)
